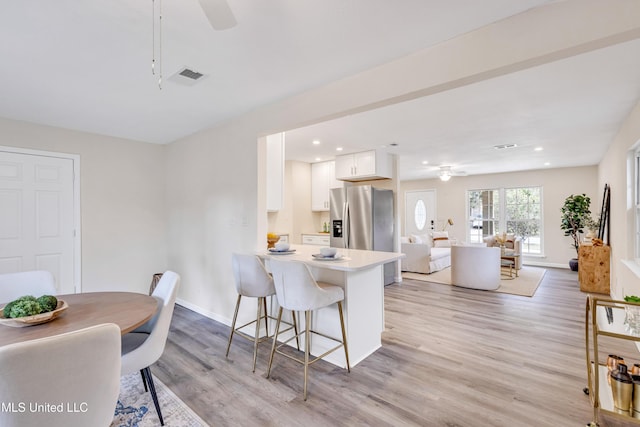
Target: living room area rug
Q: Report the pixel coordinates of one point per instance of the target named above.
(525, 284)
(135, 407)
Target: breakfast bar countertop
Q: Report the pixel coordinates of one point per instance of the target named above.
(352, 259)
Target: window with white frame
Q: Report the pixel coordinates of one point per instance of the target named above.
(515, 211)
(484, 214)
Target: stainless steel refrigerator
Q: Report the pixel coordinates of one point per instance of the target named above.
(362, 218)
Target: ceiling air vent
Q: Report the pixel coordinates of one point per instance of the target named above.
(503, 146)
(187, 76)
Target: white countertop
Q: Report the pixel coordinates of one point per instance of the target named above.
(354, 259)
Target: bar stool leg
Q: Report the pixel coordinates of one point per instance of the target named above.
(266, 314)
(344, 336)
(233, 325)
(275, 340)
(295, 329)
(255, 337)
(307, 343)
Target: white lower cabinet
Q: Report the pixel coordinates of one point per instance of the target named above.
(314, 239)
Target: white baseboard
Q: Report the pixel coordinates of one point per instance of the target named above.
(546, 264)
(202, 311)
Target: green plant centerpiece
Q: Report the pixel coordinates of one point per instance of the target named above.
(575, 212)
(29, 305)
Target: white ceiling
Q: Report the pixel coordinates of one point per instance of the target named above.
(86, 65)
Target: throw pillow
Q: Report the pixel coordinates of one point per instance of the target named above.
(441, 239)
(404, 239)
(414, 238)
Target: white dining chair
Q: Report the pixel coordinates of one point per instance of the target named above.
(36, 283)
(143, 347)
(78, 372)
(297, 290)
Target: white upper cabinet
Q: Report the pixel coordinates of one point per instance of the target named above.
(363, 166)
(323, 179)
(275, 172)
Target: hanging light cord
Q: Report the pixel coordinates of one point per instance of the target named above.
(153, 40)
(160, 47)
(153, 37)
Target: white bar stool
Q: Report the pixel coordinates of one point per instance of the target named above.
(297, 290)
(253, 280)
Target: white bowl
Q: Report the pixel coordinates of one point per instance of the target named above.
(328, 251)
(281, 246)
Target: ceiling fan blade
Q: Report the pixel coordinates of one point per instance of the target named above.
(219, 14)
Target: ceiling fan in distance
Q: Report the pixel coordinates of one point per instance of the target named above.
(219, 14)
(446, 172)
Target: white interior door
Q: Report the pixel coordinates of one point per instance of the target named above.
(419, 211)
(37, 216)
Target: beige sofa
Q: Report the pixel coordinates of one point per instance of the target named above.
(423, 257)
(513, 243)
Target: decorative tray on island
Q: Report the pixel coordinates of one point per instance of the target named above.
(21, 322)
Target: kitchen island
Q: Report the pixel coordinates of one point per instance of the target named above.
(360, 273)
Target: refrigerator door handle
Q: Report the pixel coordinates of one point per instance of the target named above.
(345, 225)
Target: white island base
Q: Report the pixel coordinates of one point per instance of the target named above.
(361, 275)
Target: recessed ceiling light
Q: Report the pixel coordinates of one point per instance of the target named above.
(538, 149)
(316, 142)
(318, 159)
(425, 162)
(394, 144)
(547, 164)
(339, 149)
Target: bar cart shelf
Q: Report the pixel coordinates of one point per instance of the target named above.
(605, 317)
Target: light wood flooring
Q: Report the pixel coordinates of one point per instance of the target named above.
(450, 357)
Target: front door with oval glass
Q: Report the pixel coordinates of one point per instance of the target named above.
(419, 211)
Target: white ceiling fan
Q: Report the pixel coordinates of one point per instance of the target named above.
(446, 172)
(219, 14)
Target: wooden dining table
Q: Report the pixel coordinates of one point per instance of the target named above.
(128, 310)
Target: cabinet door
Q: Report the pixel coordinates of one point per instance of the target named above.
(308, 239)
(319, 187)
(331, 178)
(344, 166)
(365, 163)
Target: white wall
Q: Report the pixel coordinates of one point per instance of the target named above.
(557, 185)
(122, 200)
(614, 170)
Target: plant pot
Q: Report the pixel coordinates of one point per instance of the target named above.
(573, 264)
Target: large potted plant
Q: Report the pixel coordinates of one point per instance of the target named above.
(575, 212)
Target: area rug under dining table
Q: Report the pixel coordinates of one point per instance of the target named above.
(525, 284)
(135, 406)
